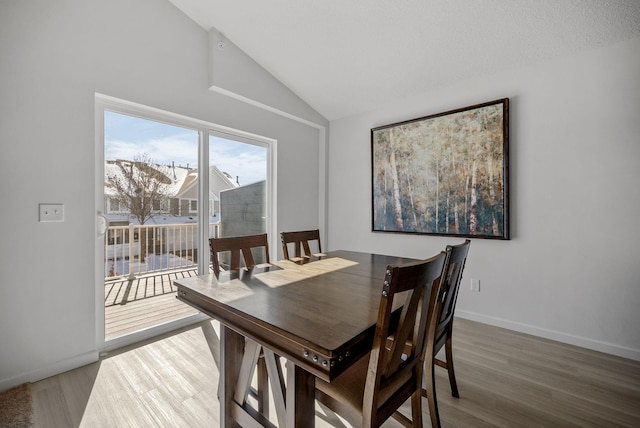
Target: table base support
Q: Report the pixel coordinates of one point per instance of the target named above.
(300, 397)
(235, 384)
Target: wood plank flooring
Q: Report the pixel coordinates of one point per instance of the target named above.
(506, 379)
(124, 290)
(142, 302)
(141, 314)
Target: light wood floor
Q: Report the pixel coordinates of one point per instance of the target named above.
(506, 379)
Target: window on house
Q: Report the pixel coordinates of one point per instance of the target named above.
(114, 205)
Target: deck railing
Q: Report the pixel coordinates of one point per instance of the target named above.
(141, 249)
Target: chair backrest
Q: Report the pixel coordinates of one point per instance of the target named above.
(451, 285)
(237, 245)
(300, 239)
(395, 367)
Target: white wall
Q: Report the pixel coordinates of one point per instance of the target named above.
(571, 271)
(54, 56)
(234, 72)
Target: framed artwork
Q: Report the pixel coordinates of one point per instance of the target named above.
(445, 174)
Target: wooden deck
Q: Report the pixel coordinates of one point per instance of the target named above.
(142, 302)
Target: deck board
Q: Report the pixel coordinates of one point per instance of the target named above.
(135, 304)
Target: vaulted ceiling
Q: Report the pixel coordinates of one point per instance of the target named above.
(345, 57)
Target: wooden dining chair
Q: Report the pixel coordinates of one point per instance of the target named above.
(444, 329)
(237, 246)
(372, 390)
(300, 241)
(242, 246)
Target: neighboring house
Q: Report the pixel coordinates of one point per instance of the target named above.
(182, 191)
(171, 230)
(244, 210)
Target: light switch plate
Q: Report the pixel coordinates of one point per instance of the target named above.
(51, 212)
(475, 284)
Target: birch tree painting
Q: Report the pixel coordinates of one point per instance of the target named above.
(445, 174)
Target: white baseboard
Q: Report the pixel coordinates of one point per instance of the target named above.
(50, 370)
(583, 342)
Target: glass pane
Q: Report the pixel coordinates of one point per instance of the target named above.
(151, 189)
(237, 189)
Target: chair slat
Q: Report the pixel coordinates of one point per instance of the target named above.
(300, 241)
(238, 246)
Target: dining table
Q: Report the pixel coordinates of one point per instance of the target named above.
(317, 314)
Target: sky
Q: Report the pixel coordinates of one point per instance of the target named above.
(128, 137)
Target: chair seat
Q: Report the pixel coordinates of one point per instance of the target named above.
(346, 391)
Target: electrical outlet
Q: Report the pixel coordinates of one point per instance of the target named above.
(51, 212)
(475, 284)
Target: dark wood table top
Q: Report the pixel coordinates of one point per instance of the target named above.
(320, 314)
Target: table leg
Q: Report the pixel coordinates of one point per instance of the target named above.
(300, 397)
(231, 350)
(263, 387)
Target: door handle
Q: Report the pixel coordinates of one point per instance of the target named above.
(102, 224)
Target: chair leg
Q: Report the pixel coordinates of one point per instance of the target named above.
(430, 390)
(452, 374)
(416, 409)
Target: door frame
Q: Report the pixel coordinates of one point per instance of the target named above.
(204, 128)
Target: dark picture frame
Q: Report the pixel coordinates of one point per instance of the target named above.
(445, 174)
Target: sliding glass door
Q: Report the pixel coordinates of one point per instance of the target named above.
(158, 210)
